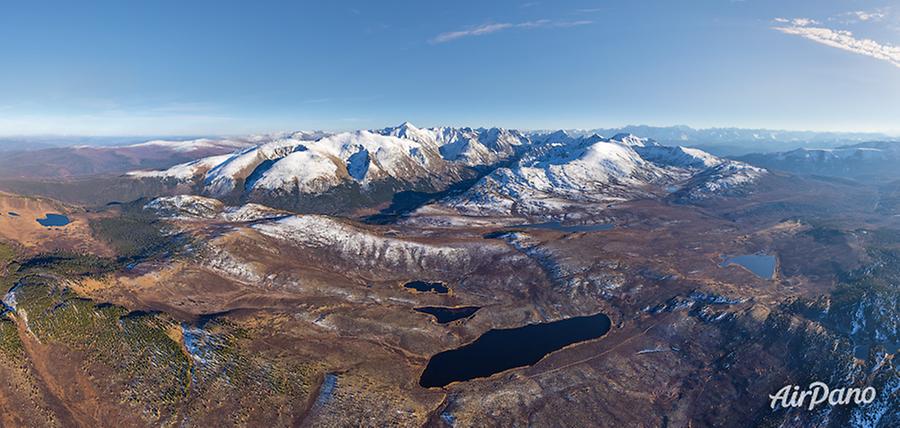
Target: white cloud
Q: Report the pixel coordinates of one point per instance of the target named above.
(797, 22)
(485, 29)
(863, 16)
(474, 31)
(868, 16)
(840, 39)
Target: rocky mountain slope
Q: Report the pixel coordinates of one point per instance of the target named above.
(362, 166)
(531, 175)
(567, 174)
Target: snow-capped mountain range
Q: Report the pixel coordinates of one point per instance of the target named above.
(875, 160)
(561, 174)
(739, 141)
(362, 164)
(530, 174)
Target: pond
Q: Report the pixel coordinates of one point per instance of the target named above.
(424, 287)
(444, 315)
(51, 220)
(761, 265)
(500, 350)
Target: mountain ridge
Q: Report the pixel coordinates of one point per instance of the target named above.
(538, 175)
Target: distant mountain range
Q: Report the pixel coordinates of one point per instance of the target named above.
(85, 160)
(876, 160)
(482, 171)
(720, 141)
(39, 142)
(739, 141)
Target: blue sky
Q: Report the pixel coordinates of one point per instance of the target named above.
(231, 67)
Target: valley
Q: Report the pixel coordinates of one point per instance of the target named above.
(255, 288)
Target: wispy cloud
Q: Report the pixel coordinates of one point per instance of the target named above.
(841, 39)
(485, 29)
(863, 15)
(797, 22)
(870, 16)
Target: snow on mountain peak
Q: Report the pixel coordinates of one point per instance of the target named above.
(725, 179)
(678, 156)
(548, 172)
(560, 175)
(632, 140)
(193, 145)
(404, 130)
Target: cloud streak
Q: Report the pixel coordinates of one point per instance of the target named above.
(841, 39)
(863, 15)
(485, 29)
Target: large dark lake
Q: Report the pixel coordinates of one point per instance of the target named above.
(500, 350)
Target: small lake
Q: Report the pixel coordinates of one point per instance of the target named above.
(424, 287)
(500, 350)
(13, 214)
(761, 265)
(51, 220)
(444, 315)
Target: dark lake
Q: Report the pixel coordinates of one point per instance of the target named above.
(50, 220)
(761, 265)
(500, 350)
(444, 315)
(425, 287)
(13, 214)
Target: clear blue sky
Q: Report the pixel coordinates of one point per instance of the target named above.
(229, 67)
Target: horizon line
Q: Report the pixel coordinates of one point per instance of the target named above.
(198, 135)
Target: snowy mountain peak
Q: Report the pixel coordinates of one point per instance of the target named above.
(554, 137)
(550, 170)
(632, 140)
(564, 175)
(404, 130)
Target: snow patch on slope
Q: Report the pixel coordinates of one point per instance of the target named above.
(551, 179)
(185, 206)
(185, 171)
(366, 248)
(188, 207)
(726, 179)
(192, 145)
(304, 171)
